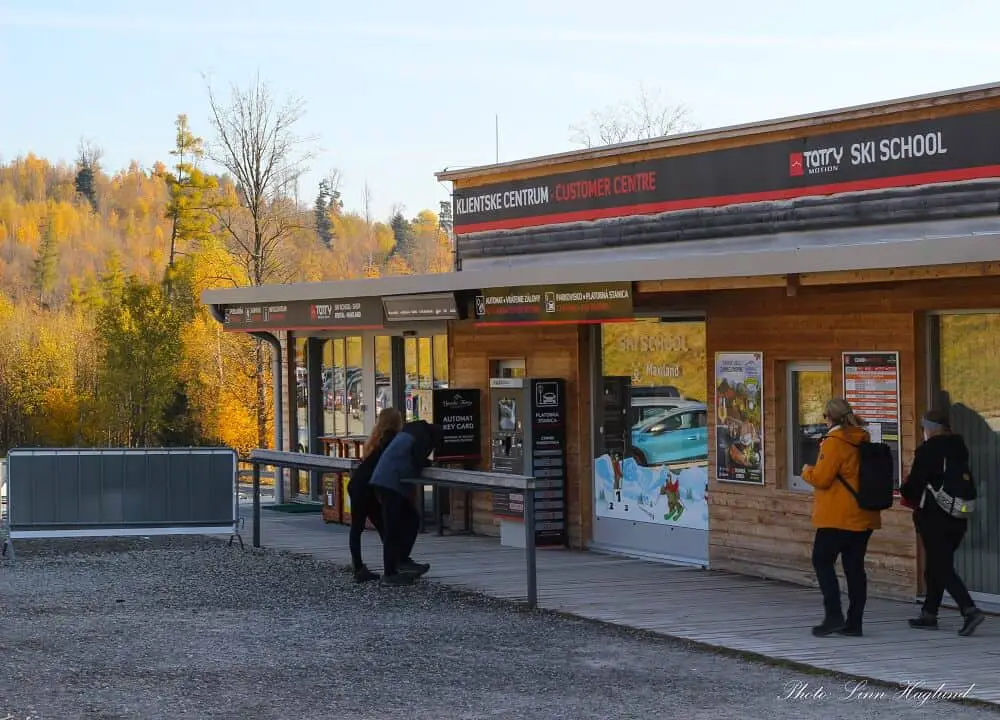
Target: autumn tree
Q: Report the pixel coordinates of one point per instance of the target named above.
(88, 164)
(191, 190)
(140, 333)
(645, 117)
(256, 143)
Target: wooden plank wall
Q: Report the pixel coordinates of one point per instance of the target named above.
(766, 531)
(549, 351)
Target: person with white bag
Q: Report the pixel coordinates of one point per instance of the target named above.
(942, 494)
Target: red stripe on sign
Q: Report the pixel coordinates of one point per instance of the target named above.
(929, 178)
(298, 328)
(503, 323)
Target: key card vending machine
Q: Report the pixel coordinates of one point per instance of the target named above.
(528, 437)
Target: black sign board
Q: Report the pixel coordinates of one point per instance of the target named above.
(405, 308)
(548, 459)
(554, 303)
(457, 413)
(341, 314)
(943, 149)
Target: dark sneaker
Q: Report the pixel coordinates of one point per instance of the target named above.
(924, 622)
(397, 580)
(363, 574)
(414, 568)
(851, 631)
(973, 619)
(828, 627)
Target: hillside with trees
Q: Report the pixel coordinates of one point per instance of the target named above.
(103, 339)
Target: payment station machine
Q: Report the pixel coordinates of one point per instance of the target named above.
(528, 437)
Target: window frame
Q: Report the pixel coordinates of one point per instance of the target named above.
(793, 481)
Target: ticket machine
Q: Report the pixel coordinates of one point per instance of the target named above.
(528, 437)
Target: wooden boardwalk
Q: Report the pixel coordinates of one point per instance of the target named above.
(715, 608)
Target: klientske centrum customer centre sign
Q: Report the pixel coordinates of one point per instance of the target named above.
(944, 149)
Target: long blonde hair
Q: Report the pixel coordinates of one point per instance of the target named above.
(840, 412)
(389, 421)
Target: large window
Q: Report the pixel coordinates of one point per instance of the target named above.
(301, 397)
(810, 386)
(652, 435)
(383, 373)
(965, 365)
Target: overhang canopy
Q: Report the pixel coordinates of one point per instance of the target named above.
(924, 244)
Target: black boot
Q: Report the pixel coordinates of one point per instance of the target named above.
(413, 568)
(973, 618)
(397, 580)
(363, 574)
(829, 626)
(926, 621)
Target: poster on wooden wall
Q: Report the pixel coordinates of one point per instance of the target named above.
(739, 417)
(871, 386)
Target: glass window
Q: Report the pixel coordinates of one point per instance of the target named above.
(301, 397)
(339, 388)
(651, 438)
(424, 379)
(965, 365)
(383, 373)
(810, 386)
(441, 361)
(329, 388)
(355, 392)
(410, 364)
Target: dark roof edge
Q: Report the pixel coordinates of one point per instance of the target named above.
(875, 109)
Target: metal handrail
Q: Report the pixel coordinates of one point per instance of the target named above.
(465, 479)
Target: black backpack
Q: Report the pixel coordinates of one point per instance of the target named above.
(876, 471)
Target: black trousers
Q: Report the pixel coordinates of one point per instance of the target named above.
(851, 546)
(401, 525)
(941, 540)
(364, 506)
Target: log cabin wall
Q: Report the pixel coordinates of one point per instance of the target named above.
(548, 351)
(766, 531)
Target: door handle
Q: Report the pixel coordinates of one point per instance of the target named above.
(691, 437)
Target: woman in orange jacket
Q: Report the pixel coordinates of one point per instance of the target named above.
(842, 528)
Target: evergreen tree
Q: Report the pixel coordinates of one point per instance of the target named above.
(88, 165)
(45, 268)
(402, 231)
(324, 225)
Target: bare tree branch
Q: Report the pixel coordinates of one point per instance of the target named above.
(644, 118)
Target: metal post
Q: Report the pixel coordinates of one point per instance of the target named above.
(529, 546)
(256, 503)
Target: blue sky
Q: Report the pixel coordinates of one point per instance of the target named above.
(396, 90)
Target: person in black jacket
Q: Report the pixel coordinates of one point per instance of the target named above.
(404, 458)
(364, 503)
(941, 533)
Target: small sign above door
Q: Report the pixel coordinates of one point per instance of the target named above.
(407, 308)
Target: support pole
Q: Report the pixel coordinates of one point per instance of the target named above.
(529, 547)
(256, 503)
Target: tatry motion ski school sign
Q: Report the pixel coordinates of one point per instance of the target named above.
(945, 149)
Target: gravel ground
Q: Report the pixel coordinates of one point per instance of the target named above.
(186, 627)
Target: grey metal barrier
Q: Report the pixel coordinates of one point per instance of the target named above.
(76, 492)
(465, 479)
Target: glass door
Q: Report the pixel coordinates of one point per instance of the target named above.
(965, 365)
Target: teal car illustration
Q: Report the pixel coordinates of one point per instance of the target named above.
(677, 435)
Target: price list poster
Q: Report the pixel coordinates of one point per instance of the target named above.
(871, 386)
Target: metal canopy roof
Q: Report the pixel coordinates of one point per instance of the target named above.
(864, 248)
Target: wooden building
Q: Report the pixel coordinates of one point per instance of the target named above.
(702, 296)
